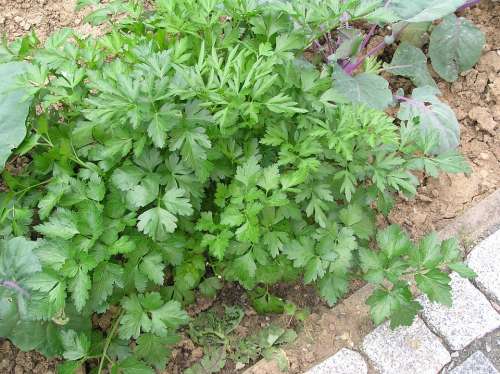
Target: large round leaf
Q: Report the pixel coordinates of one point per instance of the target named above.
(455, 46)
(423, 10)
(435, 118)
(13, 110)
(366, 88)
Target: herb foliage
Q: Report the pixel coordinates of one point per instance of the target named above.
(195, 142)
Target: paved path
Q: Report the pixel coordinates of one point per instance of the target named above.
(463, 339)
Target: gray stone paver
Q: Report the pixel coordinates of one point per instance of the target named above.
(485, 261)
(470, 317)
(477, 363)
(344, 361)
(409, 350)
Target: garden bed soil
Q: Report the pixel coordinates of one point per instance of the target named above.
(475, 98)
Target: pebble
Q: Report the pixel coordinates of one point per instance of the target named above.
(455, 354)
(484, 156)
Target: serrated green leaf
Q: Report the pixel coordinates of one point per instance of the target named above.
(249, 172)
(300, 252)
(157, 223)
(76, 346)
(80, 287)
(106, 277)
(463, 270)
(210, 286)
(332, 287)
(62, 224)
(314, 270)
(133, 366)
(169, 316)
(176, 202)
(270, 178)
(127, 177)
(152, 266)
(153, 349)
(436, 285)
(393, 241)
(135, 318)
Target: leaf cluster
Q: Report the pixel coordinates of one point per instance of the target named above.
(196, 142)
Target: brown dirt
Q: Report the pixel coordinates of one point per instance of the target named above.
(475, 98)
(19, 17)
(14, 361)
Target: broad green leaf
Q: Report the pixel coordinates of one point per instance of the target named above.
(332, 287)
(434, 118)
(232, 216)
(131, 365)
(153, 349)
(17, 260)
(249, 172)
(157, 223)
(127, 177)
(381, 304)
(370, 260)
(428, 254)
(463, 270)
(243, 270)
(436, 285)
(210, 286)
(393, 242)
(270, 178)
(106, 277)
(62, 224)
(152, 266)
(169, 316)
(14, 108)
(144, 193)
(455, 46)
(415, 34)
(314, 270)
(423, 10)
(80, 287)
(366, 88)
(410, 62)
(300, 252)
(76, 346)
(135, 318)
(176, 202)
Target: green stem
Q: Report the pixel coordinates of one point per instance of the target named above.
(110, 336)
(23, 191)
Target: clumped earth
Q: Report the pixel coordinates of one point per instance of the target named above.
(475, 98)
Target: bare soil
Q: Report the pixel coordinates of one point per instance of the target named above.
(475, 98)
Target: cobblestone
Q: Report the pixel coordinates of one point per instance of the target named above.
(485, 261)
(344, 361)
(408, 350)
(477, 363)
(470, 317)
